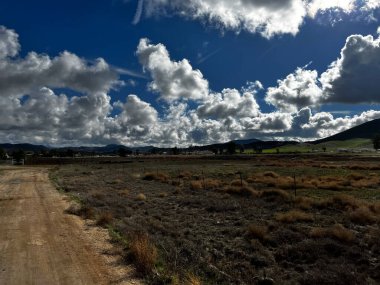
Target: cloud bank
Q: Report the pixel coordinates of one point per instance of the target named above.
(36, 108)
(265, 17)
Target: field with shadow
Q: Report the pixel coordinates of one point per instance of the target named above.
(265, 219)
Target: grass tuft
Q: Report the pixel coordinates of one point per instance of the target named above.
(294, 216)
(144, 253)
(336, 231)
(196, 185)
(241, 191)
(104, 219)
(141, 197)
(271, 174)
(158, 176)
(363, 215)
(304, 203)
(257, 232)
(275, 193)
(193, 280)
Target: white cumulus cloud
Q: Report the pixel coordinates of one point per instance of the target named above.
(298, 90)
(320, 6)
(265, 17)
(34, 106)
(173, 80)
(354, 76)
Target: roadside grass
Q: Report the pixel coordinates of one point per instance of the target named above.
(143, 253)
(104, 219)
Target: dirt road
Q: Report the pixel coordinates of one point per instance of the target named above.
(40, 244)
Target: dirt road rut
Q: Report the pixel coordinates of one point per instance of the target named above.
(39, 243)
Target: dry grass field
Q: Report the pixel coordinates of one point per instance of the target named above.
(264, 220)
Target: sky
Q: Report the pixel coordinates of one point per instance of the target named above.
(179, 73)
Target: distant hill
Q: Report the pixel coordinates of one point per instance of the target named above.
(24, 146)
(245, 142)
(364, 131)
(108, 149)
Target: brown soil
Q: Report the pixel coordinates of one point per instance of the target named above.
(40, 244)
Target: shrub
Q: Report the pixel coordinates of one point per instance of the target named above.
(212, 183)
(271, 174)
(238, 182)
(341, 201)
(193, 280)
(206, 184)
(294, 216)
(196, 185)
(355, 176)
(144, 253)
(258, 232)
(304, 203)
(375, 207)
(242, 191)
(275, 193)
(84, 211)
(185, 174)
(104, 219)
(337, 232)
(98, 195)
(74, 209)
(340, 233)
(141, 197)
(175, 183)
(123, 193)
(362, 215)
(158, 176)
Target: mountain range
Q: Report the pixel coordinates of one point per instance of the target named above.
(364, 131)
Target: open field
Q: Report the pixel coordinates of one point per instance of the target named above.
(305, 219)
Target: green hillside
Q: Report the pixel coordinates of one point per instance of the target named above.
(334, 146)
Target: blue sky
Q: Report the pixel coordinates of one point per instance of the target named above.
(225, 46)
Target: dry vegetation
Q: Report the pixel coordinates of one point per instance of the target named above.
(294, 216)
(282, 219)
(143, 253)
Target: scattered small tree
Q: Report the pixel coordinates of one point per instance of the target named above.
(258, 149)
(376, 141)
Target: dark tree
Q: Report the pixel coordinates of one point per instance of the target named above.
(18, 155)
(175, 150)
(376, 141)
(122, 152)
(69, 153)
(2, 154)
(231, 148)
